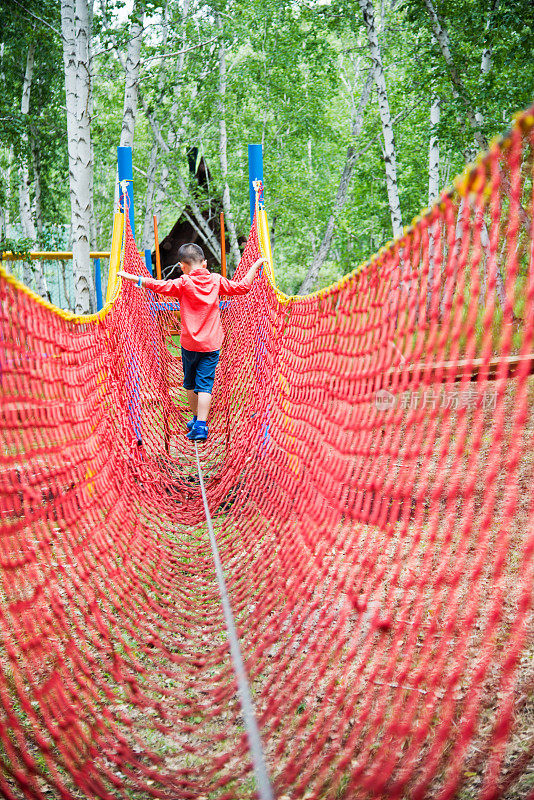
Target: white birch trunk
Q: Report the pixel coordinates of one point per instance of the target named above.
(76, 30)
(150, 194)
(176, 135)
(28, 227)
(203, 227)
(433, 187)
(459, 90)
(131, 85)
(92, 216)
(450, 281)
(227, 203)
(41, 286)
(160, 200)
(433, 151)
(68, 300)
(8, 224)
(165, 146)
(148, 221)
(32, 271)
(491, 264)
(173, 135)
(175, 108)
(342, 192)
(487, 54)
(390, 158)
(36, 164)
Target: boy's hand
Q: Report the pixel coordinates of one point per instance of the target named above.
(257, 265)
(127, 276)
(251, 274)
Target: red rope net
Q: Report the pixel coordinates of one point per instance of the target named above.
(369, 473)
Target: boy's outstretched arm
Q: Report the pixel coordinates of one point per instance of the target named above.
(138, 279)
(160, 287)
(251, 274)
(129, 277)
(228, 288)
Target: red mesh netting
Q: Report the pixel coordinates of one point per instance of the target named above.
(369, 473)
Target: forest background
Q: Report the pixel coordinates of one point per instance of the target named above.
(365, 110)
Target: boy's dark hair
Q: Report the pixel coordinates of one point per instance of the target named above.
(191, 253)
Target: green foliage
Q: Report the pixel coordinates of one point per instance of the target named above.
(46, 120)
(288, 64)
(20, 247)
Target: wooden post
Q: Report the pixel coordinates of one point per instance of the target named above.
(223, 247)
(156, 245)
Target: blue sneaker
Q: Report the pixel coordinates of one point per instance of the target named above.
(191, 423)
(198, 432)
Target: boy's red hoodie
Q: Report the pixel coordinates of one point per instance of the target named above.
(198, 294)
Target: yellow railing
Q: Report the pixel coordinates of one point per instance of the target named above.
(113, 282)
(59, 255)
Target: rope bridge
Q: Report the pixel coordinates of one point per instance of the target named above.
(369, 477)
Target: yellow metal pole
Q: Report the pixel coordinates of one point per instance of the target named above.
(59, 255)
(115, 256)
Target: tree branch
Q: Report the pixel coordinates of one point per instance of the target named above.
(343, 188)
(39, 19)
(177, 52)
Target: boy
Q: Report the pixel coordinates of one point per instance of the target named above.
(202, 335)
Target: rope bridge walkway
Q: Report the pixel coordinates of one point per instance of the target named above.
(369, 477)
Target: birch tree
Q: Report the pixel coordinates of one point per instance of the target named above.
(148, 220)
(227, 205)
(76, 30)
(197, 220)
(485, 64)
(153, 193)
(28, 228)
(30, 212)
(433, 188)
(5, 203)
(357, 114)
(460, 91)
(441, 35)
(433, 151)
(166, 143)
(390, 157)
(131, 77)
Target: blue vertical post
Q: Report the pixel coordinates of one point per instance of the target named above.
(133, 388)
(98, 285)
(125, 165)
(148, 262)
(255, 173)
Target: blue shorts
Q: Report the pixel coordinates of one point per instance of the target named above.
(199, 369)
